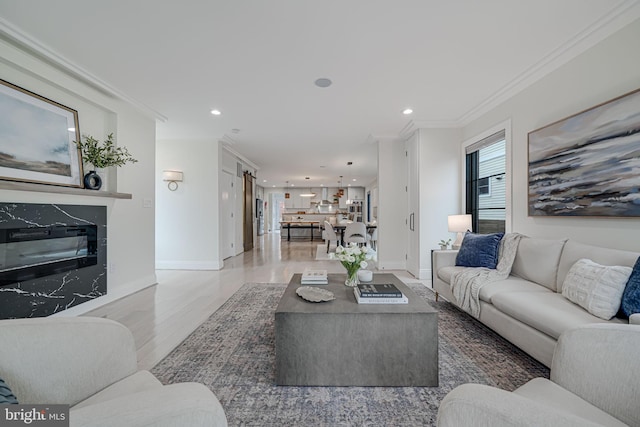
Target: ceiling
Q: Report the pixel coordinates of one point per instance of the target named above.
(256, 61)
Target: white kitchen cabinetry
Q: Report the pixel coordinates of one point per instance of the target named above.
(355, 193)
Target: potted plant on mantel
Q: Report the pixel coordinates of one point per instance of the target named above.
(101, 156)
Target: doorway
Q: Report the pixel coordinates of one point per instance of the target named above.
(248, 211)
(276, 209)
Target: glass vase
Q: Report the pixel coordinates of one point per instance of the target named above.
(352, 278)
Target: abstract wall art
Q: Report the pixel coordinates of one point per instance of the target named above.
(588, 164)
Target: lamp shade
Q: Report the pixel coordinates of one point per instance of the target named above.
(459, 223)
(175, 176)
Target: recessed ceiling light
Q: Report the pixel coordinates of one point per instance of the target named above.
(354, 179)
(264, 180)
(322, 82)
(273, 185)
(216, 112)
(407, 111)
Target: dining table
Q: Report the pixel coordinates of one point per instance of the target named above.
(312, 225)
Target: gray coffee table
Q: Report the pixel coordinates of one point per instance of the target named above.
(343, 343)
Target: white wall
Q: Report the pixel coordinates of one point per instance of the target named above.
(608, 70)
(130, 250)
(187, 221)
(439, 189)
(392, 205)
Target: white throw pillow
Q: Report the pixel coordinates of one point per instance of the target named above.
(596, 288)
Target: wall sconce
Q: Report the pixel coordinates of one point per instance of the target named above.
(174, 177)
(459, 224)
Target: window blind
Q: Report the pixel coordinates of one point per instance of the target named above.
(476, 146)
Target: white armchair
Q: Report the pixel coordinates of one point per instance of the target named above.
(90, 364)
(595, 381)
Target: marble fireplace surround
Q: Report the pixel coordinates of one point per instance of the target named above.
(44, 296)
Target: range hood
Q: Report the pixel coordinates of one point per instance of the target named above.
(325, 199)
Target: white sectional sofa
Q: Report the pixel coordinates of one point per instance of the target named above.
(528, 307)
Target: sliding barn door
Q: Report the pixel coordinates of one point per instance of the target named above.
(247, 221)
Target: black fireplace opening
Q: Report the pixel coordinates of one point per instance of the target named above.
(30, 252)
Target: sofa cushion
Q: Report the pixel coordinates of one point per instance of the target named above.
(548, 312)
(510, 284)
(537, 260)
(631, 296)
(479, 250)
(445, 273)
(596, 288)
(573, 251)
(551, 395)
(138, 382)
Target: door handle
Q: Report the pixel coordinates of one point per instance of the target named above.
(411, 220)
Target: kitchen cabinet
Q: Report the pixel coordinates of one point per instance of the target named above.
(355, 193)
(288, 201)
(295, 201)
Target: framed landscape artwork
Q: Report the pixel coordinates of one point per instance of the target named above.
(588, 164)
(37, 139)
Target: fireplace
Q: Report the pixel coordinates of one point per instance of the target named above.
(27, 253)
(52, 257)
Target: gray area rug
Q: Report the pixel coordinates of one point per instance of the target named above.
(233, 354)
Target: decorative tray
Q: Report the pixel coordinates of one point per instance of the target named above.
(314, 294)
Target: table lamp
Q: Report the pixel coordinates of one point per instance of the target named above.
(459, 224)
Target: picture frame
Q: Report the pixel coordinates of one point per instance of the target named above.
(588, 164)
(37, 139)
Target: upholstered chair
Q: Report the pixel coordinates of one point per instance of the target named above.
(373, 238)
(355, 232)
(91, 364)
(330, 234)
(595, 381)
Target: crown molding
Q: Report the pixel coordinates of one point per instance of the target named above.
(619, 17)
(16, 37)
(413, 125)
(226, 146)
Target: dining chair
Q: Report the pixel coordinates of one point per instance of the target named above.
(356, 232)
(330, 234)
(373, 238)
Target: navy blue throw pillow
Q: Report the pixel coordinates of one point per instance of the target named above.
(631, 296)
(6, 395)
(479, 250)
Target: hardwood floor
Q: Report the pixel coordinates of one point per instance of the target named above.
(163, 315)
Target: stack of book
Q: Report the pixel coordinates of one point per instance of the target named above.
(385, 293)
(314, 277)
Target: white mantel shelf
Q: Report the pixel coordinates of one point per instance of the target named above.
(43, 188)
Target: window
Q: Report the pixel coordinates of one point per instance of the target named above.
(486, 183)
(483, 187)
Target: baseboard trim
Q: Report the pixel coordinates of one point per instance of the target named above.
(397, 265)
(189, 265)
(424, 274)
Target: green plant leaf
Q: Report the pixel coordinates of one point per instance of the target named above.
(102, 155)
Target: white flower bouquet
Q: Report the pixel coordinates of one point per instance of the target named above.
(353, 258)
